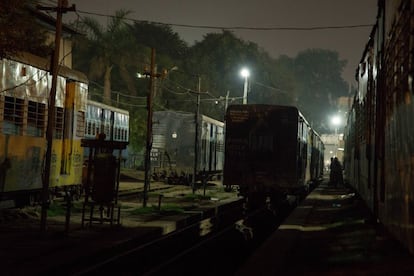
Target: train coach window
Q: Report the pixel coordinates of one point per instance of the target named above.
(36, 119)
(59, 114)
(95, 129)
(88, 128)
(13, 115)
(118, 134)
(80, 124)
(107, 130)
(126, 135)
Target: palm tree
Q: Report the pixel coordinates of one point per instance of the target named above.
(106, 48)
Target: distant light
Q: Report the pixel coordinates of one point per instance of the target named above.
(336, 120)
(174, 135)
(245, 73)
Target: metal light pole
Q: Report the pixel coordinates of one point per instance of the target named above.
(245, 74)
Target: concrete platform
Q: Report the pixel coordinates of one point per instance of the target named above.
(331, 232)
(25, 250)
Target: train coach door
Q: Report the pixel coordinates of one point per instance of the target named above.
(67, 128)
(261, 152)
(73, 130)
(212, 159)
(301, 152)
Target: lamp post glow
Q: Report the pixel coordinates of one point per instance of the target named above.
(336, 122)
(245, 74)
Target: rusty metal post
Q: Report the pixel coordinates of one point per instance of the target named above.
(149, 130)
(62, 8)
(197, 118)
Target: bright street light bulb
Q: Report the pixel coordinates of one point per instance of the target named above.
(245, 73)
(336, 120)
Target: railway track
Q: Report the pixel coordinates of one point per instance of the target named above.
(213, 245)
(223, 251)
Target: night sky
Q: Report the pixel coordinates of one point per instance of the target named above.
(349, 42)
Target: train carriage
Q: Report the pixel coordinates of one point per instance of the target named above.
(268, 152)
(316, 157)
(25, 86)
(379, 141)
(110, 120)
(173, 148)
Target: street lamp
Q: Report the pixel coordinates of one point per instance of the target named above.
(245, 73)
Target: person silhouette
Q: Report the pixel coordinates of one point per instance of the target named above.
(336, 172)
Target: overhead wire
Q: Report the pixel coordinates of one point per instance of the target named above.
(173, 92)
(119, 92)
(190, 91)
(116, 102)
(270, 87)
(311, 28)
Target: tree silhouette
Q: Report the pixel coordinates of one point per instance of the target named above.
(20, 31)
(104, 48)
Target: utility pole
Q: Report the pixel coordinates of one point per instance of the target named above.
(60, 9)
(226, 103)
(197, 116)
(149, 128)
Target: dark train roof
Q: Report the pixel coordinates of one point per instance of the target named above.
(108, 107)
(258, 107)
(253, 107)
